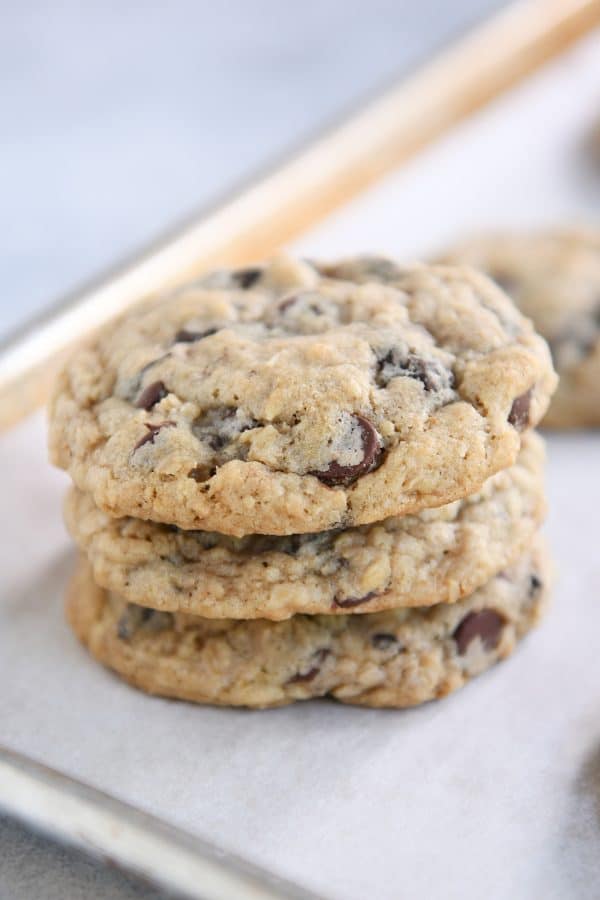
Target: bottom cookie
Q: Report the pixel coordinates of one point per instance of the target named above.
(395, 658)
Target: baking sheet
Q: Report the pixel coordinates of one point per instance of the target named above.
(493, 792)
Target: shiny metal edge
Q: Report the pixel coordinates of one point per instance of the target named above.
(123, 837)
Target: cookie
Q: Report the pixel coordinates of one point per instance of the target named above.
(434, 556)
(291, 399)
(554, 277)
(395, 658)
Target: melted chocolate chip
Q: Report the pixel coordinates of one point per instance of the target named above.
(518, 416)
(306, 312)
(130, 621)
(349, 602)
(287, 303)
(395, 363)
(535, 585)
(219, 426)
(292, 543)
(304, 676)
(201, 473)
(317, 661)
(151, 395)
(372, 451)
(185, 336)
(217, 440)
(383, 640)
(309, 301)
(135, 617)
(486, 624)
(152, 432)
(247, 277)
(135, 382)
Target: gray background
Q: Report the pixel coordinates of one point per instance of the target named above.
(117, 119)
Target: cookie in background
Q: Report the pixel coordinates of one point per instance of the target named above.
(554, 278)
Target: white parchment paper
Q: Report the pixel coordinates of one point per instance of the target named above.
(493, 792)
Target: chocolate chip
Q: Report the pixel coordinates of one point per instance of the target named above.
(292, 543)
(219, 426)
(372, 451)
(396, 362)
(130, 621)
(349, 602)
(287, 303)
(317, 660)
(152, 432)
(304, 676)
(132, 386)
(535, 585)
(151, 395)
(306, 312)
(486, 624)
(216, 439)
(226, 280)
(383, 640)
(519, 411)
(135, 617)
(185, 336)
(247, 277)
(306, 302)
(201, 473)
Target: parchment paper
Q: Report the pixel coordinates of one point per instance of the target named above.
(493, 792)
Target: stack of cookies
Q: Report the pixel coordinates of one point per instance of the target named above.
(300, 480)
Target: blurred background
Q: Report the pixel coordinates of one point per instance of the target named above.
(120, 119)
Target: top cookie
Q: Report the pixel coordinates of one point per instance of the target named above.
(554, 278)
(297, 397)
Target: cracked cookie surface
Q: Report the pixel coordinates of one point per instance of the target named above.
(554, 278)
(295, 398)
(435, 556)
(395, 658)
